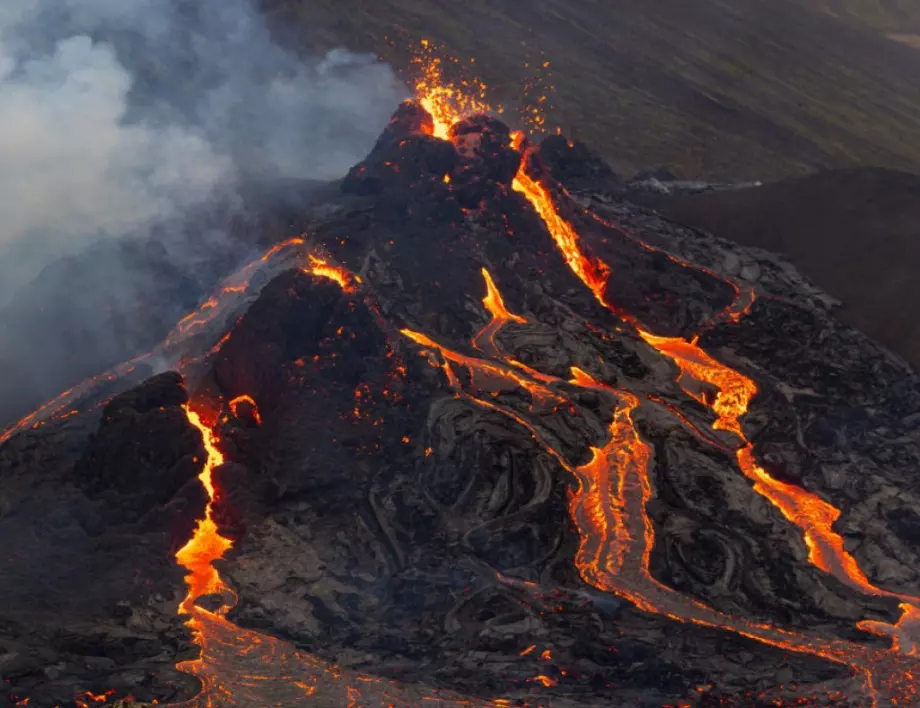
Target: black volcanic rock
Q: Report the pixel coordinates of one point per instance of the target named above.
(144, 452)
(89, 523)
(400, 491)
(573, 164)
(855, 232)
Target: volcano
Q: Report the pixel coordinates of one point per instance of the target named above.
(473, 441)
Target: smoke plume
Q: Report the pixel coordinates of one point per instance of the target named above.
(118, 114)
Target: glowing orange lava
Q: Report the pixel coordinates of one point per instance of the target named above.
(617, 537)
(280, 247)
(591, 271)
(248, 400)
(485, 339)
(446, 101)
(206, 545)
(734, 391)
(322, 268)
(490, 375)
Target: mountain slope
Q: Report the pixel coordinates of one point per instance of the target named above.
(855, 232)
(753, 89)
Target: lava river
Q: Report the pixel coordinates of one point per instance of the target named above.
(243, 668)
(609, 506)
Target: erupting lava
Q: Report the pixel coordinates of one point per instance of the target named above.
(445, 101)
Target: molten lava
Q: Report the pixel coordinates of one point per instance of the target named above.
(491, 375)
(617, 535)
(246, 400)
(206, 545)
(591, 271)
(485, 339)
(238, 667)
(812, 514)
(322, 268)
(446, 101)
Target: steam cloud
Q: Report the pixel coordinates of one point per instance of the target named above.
(121, 113)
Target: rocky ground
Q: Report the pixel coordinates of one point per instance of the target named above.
(413, 530)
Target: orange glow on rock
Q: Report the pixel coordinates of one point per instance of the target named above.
(248, 400)
(281, 246)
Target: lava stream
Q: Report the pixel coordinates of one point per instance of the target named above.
(491, 375)
(190, 325)
(617, 536)
(812, 514)
(206, 545)
(591, 271)
(485, 339)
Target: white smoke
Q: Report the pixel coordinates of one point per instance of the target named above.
(121, 113)
(69, 164)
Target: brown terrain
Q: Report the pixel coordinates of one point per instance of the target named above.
(741, 89)
(856, 233)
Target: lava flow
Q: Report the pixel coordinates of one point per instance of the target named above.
(66, 404)
(617, 536)
(808, 511)
(600, 514)
(206, 545)
(591, 271)
(485, 339)
(240, 668)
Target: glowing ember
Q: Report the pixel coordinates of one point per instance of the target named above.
(446, 101)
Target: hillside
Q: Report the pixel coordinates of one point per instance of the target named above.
(855, 232)
(890, 16)
(716, 89)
